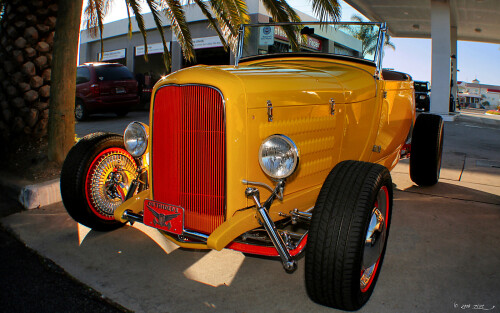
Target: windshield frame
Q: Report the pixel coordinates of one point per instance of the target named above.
(377, 60)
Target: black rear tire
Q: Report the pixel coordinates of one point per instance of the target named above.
(87, 170)
(337, 255)
(426, 149)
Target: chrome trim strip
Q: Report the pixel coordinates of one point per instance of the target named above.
(314, 23)
(132, 217)
(241, 37)
(241, 33)
(195, 235)
(380, 49)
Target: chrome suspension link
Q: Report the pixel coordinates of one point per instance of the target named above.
(289, 263)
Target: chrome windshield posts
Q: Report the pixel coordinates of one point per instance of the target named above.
(289, 263)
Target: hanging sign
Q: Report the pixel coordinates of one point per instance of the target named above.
(266, 37)
(113, 55)
(152, 49)
(207, 42)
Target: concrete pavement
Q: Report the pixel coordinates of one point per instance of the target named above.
(442, 253)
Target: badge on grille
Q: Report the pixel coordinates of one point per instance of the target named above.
(164, 216)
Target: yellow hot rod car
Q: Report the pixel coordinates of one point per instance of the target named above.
(287, 154)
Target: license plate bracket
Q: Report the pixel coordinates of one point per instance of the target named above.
(164, 216)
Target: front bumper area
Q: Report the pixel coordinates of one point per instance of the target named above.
(239, 223)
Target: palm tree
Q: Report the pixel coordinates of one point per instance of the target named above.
(368, 36)
(224, 16)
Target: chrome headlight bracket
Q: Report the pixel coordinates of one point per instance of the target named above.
(278, 158)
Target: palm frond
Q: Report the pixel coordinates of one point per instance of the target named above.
(279, 12)
(223, 19)
(326, 10)
(129, 23)
(212, 22)
(357, 18)
(136, 8)
(367, 35)
(175, 14)
(389, 43)
(242, 12)
(230, 17)
(292, 14)
(155, 11)
(94, 15)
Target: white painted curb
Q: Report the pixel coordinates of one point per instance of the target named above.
(39, 195)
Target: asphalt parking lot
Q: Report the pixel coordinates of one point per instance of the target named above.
(442, 253)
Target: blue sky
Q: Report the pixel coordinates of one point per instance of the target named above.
(412, 56)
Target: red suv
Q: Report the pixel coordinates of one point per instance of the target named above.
(104, 87)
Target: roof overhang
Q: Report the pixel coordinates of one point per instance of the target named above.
(476, 20)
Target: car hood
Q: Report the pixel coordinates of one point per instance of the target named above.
(286, 82)
(302, 82)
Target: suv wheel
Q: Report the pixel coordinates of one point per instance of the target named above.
(80, 110)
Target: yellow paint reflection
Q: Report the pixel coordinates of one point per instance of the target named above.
(216, 268)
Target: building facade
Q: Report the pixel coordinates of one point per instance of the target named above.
(477, 95)
(119, 47)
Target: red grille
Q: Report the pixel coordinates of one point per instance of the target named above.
(188, 156)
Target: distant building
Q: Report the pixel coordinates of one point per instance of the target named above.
(477, 95)
(129, 51)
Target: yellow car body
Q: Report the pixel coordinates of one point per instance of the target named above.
(371, 121)
(289, 151)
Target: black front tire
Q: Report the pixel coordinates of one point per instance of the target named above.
(337, 252)
(86, 191)
(426, 149)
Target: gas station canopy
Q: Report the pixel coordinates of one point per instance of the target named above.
(475, 20)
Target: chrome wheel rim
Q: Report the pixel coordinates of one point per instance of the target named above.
(79, 111)
(375, 239)
(108, 181)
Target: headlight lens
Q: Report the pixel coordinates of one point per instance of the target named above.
(136, 139)
(278, 156)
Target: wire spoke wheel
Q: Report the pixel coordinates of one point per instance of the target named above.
(95, 179)
(108, 180)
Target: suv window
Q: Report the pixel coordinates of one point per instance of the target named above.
(106, 73)
(82, 75)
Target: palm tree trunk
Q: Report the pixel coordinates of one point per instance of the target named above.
(62, 98)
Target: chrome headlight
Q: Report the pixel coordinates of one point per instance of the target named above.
(278, 156)
(135, 138)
